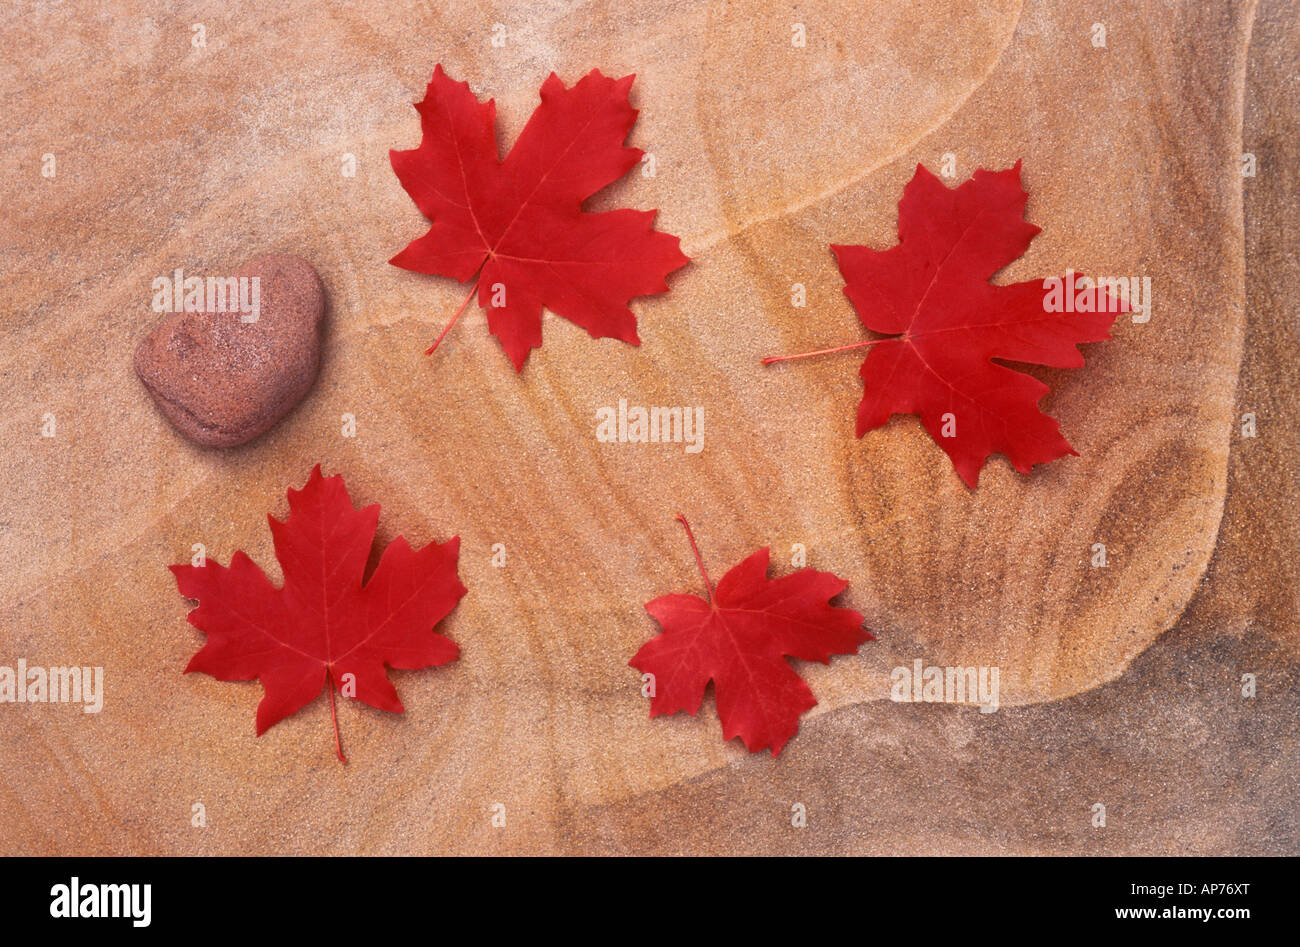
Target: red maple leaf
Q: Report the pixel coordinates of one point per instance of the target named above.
(516, 227)
(931, 291)
(324, 628)
(739, 637)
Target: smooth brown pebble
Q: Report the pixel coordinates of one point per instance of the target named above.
(222, 381)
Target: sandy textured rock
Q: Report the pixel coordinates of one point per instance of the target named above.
(224, 377)
(765, 154)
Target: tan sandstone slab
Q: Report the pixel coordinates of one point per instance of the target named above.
(766, 153)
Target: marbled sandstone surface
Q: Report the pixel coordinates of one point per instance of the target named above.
(1119, 684)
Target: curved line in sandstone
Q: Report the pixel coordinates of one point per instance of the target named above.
(1207, 554)
(693, 246)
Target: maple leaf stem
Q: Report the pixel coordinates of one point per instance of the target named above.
(699, 560)
(338, 744)
(839, 348)
(433, 348)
